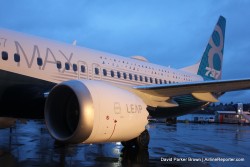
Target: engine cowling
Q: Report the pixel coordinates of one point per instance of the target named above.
(87, 111)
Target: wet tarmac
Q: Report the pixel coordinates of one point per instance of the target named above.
(177, 145)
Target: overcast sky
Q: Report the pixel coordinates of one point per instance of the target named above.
(166, 32)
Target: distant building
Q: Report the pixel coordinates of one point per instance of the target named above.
(226, 117)
(231, 117)
(197, 118)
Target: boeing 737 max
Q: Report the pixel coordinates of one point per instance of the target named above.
(90, 96)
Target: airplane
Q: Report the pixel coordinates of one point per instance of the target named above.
(89, 96)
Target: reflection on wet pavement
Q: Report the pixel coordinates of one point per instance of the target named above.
(30, 144)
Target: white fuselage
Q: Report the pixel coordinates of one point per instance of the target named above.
(56, 62)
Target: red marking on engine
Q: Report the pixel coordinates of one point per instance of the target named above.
(112, 133)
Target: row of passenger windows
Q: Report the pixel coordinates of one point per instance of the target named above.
(83, 70)
(132, 76)
(133, 65)
(5, 56)
(17, 59)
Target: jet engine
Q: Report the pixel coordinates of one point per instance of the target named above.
(87, 111)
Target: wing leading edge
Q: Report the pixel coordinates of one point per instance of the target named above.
(161, 95)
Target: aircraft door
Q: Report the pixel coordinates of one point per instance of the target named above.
(83, 72)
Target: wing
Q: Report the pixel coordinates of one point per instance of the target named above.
(208, 91)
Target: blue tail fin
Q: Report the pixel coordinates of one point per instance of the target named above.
(210, 67)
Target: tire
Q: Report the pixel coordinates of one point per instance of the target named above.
(129, 143)
(142, 141)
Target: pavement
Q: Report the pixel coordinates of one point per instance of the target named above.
(28, 143)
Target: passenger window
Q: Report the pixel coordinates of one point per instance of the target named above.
(16, 57)
(151, 80)
(74, 67)
(146, 79)
(67, 67)
(130, 76)
(156, 81)
(104, 72)
(39, 61)
(160, 81)
(83, 70)
(96, 71)
(118, 74)
(141, 78)
(4, 55)
(124, 75)
(136, 78)
(58, 64)
(112, 73)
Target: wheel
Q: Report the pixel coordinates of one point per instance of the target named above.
(130, 143)
(142, 141)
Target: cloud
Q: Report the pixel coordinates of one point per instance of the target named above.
(172, 32)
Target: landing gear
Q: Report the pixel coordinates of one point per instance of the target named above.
(129, 143)
(141, 141)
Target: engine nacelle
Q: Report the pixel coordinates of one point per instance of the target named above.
(87, 111)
